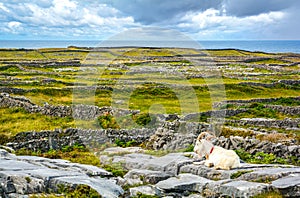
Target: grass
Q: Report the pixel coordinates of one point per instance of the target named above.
(264, 158)
(239, 173)
(15, 120)
(75, 154)
(78, 191)
(269, 61)
(115, 168)
(272, 194)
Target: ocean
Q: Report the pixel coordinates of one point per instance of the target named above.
(249, 45)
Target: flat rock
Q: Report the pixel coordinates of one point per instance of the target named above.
(288, 186)
(120, 150)
(25, 175)
(136, 176)
(241, 189)
(145, 190)
(169, 163)
(104, 187)
(183, 182)
(269, 174)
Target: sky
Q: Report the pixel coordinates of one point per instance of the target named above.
(102, 19)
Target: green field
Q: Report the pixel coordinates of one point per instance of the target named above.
(154, 80)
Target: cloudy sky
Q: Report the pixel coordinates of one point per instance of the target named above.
(198, 19)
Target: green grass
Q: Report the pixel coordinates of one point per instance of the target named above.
(272, 194)
(269, 61)
(75, 154)
(15, 120)
(158, 96)
(264, 158)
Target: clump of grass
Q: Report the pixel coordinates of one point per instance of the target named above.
(227, 132)
(124, 144)
(108, 121)
(273, 137)
(272, 194)
(115, 168)
(140, 195)
(286, 102)
(80, 191)
(142, 119)
(260, 158)
(4, 139)
(258, 110)
(239, 173)
(190, 148)
(76, 154)
(158, 153)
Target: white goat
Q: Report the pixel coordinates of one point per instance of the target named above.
(216, 156)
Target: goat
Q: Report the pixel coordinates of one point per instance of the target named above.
(216, 156)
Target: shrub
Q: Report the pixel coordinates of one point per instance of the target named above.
(108, 121)
(4, 139)
(124, 144)
(143, 119)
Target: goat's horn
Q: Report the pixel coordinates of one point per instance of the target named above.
(202, 135)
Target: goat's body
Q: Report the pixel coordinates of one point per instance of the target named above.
(216, 156)
(223, 159)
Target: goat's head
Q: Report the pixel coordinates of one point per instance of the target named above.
(198, 148)
(206, 136)
(202, 142)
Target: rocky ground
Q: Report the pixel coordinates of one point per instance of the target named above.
(259, 115)
(171, 175)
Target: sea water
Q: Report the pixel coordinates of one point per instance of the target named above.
(249, 45)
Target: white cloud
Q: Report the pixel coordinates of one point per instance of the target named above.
(64, 16)
(14, 27)
(212, 21)
(2, 7)
(200, 19)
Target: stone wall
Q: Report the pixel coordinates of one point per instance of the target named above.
(170, 136)
(57, 139)
(82, 112)
(269, 85)
(258, 100)
(285, 109)
(253, 146)
(269, 123)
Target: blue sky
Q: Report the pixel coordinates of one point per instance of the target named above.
(198, 19)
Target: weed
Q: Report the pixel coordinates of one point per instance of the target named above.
(140, 195)
(28, 179)
(190, 148)
(239, 173)
(272, 194)
(80, 191)
(116, 169)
